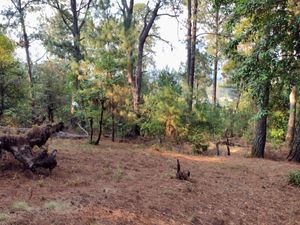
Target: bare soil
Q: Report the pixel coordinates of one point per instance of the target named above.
(130, 183)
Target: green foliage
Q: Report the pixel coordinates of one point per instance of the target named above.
(14, 107)
(50, 92)
(277, 125)
(165, 117)
(294, 178)
(260, 34)
(198, 140)
(164, 108)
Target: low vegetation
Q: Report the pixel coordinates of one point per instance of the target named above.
(294, 178)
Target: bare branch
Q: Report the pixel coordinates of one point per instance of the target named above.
(212, 33)
(29, 2)
(56, 5)
(161, 39)
(85, 15)
(167, 14)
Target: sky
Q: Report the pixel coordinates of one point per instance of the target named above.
(165, 55)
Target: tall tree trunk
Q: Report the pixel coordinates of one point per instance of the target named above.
(294, 154)
(76, 45)
(74, 26)
(138, 79)
(28, 58)
(193, 53)
(139, 69)
(189, 50)
(216, 59)
(258, 147)
(292, 118)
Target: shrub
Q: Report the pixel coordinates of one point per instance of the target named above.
(294, 178)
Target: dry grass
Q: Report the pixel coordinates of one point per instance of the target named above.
(126, 183)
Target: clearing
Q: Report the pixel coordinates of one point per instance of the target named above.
(128, 183)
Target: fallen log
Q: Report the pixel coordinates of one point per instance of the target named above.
(65, 135)
(59, 134)
(20, 146)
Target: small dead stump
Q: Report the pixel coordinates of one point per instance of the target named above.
(181, 174)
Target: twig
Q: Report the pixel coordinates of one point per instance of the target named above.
(87, 133)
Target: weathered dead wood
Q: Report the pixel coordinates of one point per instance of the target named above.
(65, 135)
(224, 142)
(11, 130)
(20, 146)
(182, 175)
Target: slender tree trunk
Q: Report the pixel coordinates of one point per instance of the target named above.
(113, 127)
(292, 118)
(100, 122)
(139, 69)
(258, 147)
(50, 113)
(2, 101)
(216, 59)
(92, 129)
(28, 58)
(238, 101)
(138, 79)
(193, 53)
(189, 50)
(77, 50)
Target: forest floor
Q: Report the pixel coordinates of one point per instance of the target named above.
(131, 183)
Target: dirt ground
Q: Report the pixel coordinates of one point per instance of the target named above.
(126, 183)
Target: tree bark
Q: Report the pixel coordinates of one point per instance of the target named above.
(50, 113)
(294, 154)
(74, 25)
(193, 54)
(216, 59)
(92, 129)
(292, 118)
(259, 141)
(113, 127)
(189, 49)
(2, 101)
(26, 45)
(100, 122)
(139, 69)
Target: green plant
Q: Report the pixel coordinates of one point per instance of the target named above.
(294, 178)
(198, 141)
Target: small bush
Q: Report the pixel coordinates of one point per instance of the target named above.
(294, 178)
